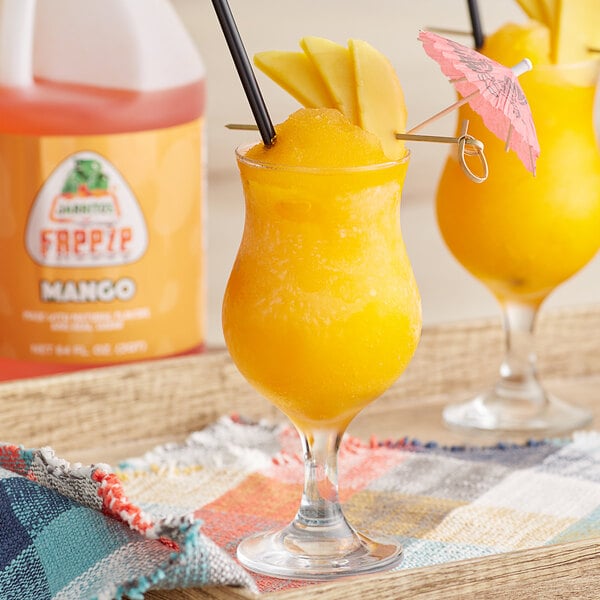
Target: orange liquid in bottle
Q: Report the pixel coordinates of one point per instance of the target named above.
(77, 113)
(51, 108)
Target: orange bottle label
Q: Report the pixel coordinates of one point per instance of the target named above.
(101, 245)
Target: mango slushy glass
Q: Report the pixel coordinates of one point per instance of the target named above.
(321, 314)
(522, 236)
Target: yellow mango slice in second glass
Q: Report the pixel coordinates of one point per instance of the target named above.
(576, 28)
(533, 9)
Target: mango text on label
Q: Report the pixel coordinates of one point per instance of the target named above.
(103, 290)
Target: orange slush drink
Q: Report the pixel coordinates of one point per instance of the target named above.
(524, 235)
(321, 313)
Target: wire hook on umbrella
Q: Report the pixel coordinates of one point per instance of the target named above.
(467, 146)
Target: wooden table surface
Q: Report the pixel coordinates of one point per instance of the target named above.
(108, 414)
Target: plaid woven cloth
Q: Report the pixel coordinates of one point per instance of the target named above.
(70, 533)
(174, 517)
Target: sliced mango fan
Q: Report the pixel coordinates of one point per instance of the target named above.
(362, 84)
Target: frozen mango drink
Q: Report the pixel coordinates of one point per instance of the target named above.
(519, 234)
(321, 313)
(522, 236)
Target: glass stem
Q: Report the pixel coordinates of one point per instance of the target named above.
(518, 376)
(320, 506)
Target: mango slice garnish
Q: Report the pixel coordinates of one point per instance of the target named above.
(358, 80)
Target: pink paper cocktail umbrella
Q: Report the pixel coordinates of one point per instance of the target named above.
(491, 89)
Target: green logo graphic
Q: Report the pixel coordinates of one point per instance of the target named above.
(86, 174)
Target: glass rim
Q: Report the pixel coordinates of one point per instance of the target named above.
(581, 64)
(594, 60)
(257, 164)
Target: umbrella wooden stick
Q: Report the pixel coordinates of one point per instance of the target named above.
(443, 112)
(508, 136)
(521, 67)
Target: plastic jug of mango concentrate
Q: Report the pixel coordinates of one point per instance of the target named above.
(101, 179)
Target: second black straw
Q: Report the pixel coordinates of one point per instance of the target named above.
(475, 23)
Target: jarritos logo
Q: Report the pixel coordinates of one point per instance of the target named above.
(86, 196)
(85, 215)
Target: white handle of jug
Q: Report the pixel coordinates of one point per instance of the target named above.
(17, 22)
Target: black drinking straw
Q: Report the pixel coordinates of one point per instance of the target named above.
(475, 23)
(245, 72)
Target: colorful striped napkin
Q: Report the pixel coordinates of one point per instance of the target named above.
(173, 518)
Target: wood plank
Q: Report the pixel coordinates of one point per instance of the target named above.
(167, 399)
(112, 413)
(560, 571)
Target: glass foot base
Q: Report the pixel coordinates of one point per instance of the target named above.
(316, 553)
(490, 412)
